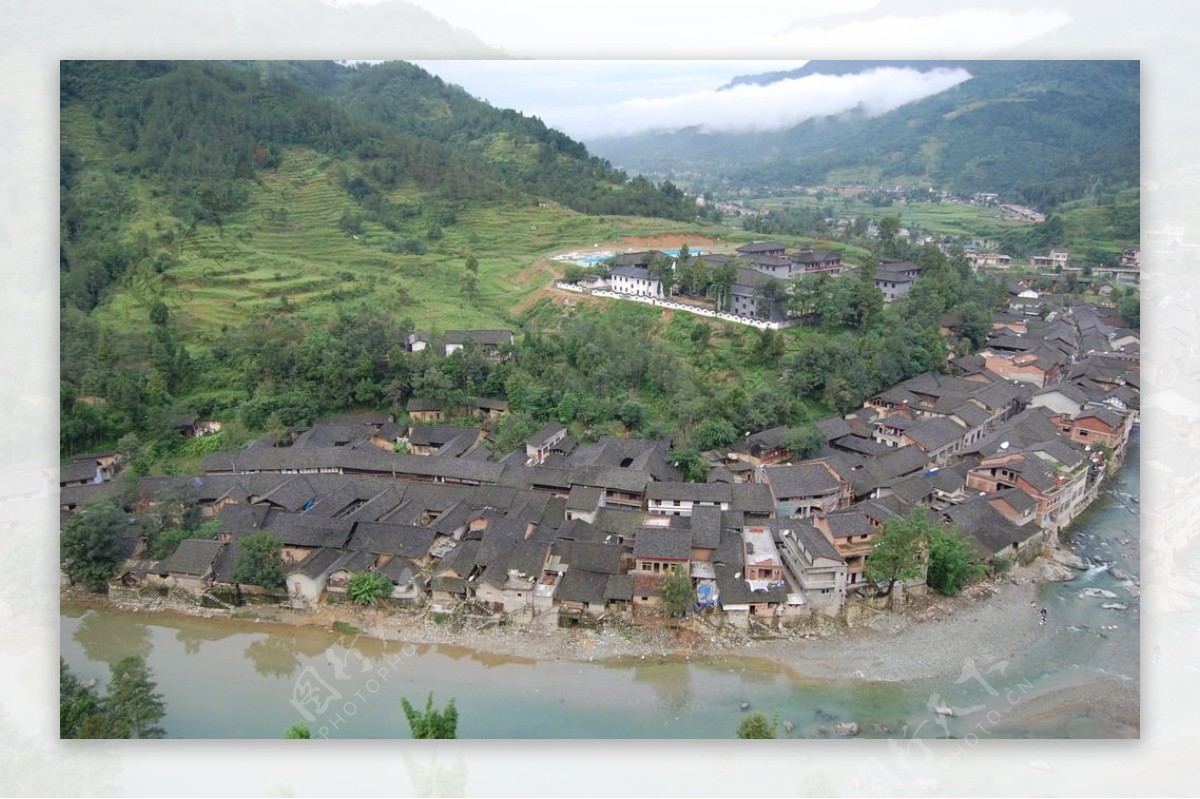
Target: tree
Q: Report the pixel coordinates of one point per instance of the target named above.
(90, 545)
(714, 432)
(688, 460)
(472, 264)
(298, 732)
(134, 708)
(756, 725)
(159, 313)
(899, 551)
(259, 562)
(1130, 309)
(951, 561)
(468, 285)
(431, 723)
(366, 588)
(678, 593)
(79, 707)
(723, 278)
(889, 230)
(803, 441)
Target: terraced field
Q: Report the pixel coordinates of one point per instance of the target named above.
(285, 253)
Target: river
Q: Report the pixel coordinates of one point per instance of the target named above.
(224, 678)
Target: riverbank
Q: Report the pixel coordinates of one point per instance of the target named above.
(930, 637)
(927, 643)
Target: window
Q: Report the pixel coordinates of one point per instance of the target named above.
(645, 567)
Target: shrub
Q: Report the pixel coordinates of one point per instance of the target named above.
(366, 588)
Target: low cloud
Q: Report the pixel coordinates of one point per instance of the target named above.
(748, 108)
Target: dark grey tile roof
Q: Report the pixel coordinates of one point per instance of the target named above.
(421, 405)
(460, 560)
(529, 558)
(539, 438)
(706, 527)
(318, 562)
(653, 543)
(834, 427)
(635, 272)
(693, 492)
(435, 435)
(299, 530)
(590, 555)
(761, 246)
(193, 557)
(580, 585)
(486, 337)
(384, 538)
(291, 494)
(619, 588)
(584, 498)
(933, 434)
(242, 518)
(991, 532)
(74, 472)
(814, 541)
(401, 572)
(800, 480)
(750, 498)
(579, 530)
(851, 522)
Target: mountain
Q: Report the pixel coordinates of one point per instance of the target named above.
(1044, 132)
(152, 146)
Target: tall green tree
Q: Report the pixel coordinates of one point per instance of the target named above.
(889, 232)
(79, 706)
(678, 593)
(90, 544)
(953, 561)
(133, 705)
(260, 561)
(899, 550)
(431, 723)
(468, 285)
(803, 441)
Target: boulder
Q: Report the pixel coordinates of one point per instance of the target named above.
(1097, 592)
(1069, 559)
(1055, 572)
(1115, 606)
(942, 710)
(846, 728)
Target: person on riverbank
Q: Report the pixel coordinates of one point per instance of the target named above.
(1042, 613)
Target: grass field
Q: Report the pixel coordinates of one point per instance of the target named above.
(951, 219)
(285, 252)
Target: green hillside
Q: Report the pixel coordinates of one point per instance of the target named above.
(1040, 132)
(237, 243)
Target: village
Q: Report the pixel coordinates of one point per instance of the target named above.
(1010, 448)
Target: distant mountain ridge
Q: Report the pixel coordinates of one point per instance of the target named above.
(1044, 132)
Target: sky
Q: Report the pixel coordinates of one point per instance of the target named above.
(590, 99)
(593, 99)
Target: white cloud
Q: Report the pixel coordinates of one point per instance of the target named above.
(551, 29)
(760, 108)
(630, 28)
